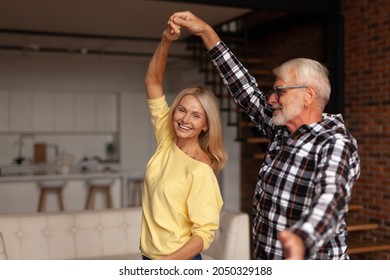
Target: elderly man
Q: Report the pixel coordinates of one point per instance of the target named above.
(305, 182)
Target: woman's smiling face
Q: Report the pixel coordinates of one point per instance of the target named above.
(189, 118)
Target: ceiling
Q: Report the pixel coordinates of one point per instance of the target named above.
(124, 27)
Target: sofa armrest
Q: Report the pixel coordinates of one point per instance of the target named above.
(232, 239)
(3, 253)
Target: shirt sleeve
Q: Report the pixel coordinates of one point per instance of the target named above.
(332, 194)
(204, 205)
(243, 87)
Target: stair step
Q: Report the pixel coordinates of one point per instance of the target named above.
(355, 207)
(259, 156)
(260, 72)
(367, 247)
(247, 124)
(257, 140)
(253, 60)
(263, 84)
(360, 225)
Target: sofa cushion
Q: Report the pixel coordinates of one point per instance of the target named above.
(106, 234)
(72, 235)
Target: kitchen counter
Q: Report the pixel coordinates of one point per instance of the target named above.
(19, 191)
(38, 176)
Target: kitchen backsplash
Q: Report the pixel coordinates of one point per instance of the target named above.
(14, 147)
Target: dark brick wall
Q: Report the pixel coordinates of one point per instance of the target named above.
(367, 107)
(366, 102)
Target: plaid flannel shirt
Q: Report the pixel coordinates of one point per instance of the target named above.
(305, 181)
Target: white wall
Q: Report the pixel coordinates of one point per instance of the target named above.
(51, 72)
(70, 73)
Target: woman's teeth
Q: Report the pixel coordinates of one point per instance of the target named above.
(184, 127)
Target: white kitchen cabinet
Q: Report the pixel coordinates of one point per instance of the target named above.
(23, 111)
(106, 112)
(20, 111)
(85, 112)
(4, 111)
(43, 111)
(64, 111)
(96, 112)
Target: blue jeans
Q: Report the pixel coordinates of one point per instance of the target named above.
(197, 257)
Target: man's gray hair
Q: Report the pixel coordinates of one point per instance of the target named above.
(307, 72)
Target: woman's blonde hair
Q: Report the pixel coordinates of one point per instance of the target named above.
(210, 140)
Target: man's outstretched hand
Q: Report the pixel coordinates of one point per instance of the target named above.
(292, 244)
(196, 26)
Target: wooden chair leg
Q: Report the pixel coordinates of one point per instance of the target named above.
(137, 190)
(108, 197)
(106, 190)
(42, 200)
(134, 195)
(91, 198)
(51, 186)
(61, 199)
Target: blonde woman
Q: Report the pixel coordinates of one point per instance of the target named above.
(181, 200)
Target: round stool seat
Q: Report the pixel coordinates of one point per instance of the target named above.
(102, 185)
(51, 186)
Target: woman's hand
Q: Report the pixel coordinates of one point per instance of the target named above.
(193, 247)
(172, 32)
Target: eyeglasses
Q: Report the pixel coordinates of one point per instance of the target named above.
(279, 91)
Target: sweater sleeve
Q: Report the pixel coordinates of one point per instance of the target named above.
(159, 110)
(204, 205)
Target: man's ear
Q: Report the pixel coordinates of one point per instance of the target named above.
(310, 96)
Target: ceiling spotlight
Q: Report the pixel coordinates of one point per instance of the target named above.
(84, 51)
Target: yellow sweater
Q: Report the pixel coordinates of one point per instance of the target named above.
(181, 196)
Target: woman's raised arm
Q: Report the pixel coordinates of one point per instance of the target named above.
(155, 73)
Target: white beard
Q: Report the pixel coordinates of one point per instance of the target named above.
(289, 112)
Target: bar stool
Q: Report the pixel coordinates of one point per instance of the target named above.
(102, 185)
(51, 186)
(135, 180)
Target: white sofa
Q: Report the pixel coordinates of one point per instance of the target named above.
(102, 234)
